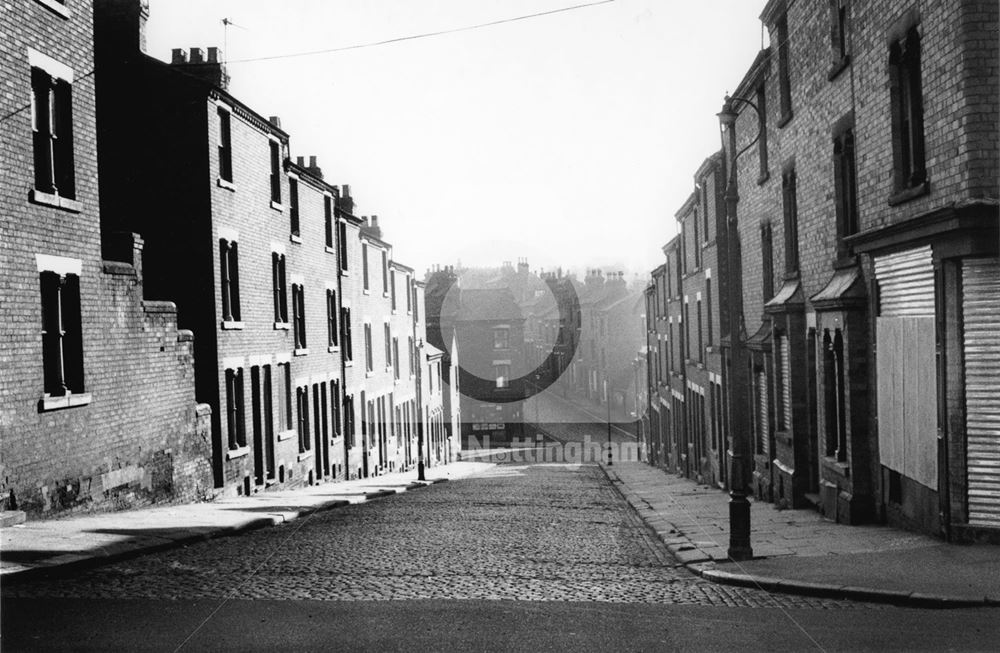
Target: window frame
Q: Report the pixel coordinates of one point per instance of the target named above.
(61, 327)
(229, 281)
(51, 116)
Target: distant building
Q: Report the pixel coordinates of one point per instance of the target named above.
(96, 388)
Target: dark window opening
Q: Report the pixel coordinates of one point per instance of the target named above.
(280, 288)
(343, 246)
(225, 146)
(762, 127)
(230, 271)
(302, 413)
(789, 204)
(364, 264)
(299, 315)
(767, 260)
(293, 205)
(846, 188)
(235, 409)
(275, 171)
(328, 220)
(62, 334)
(784, 75)
(331, 317)
(907, 111)
(347, 348)
(52, 134)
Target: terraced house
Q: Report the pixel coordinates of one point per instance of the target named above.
(305, 320)
(81, 425)
(864, 196)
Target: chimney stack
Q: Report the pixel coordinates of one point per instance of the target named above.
(194, 62)
(344, 201)
(314, 168)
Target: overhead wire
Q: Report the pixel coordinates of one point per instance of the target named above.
(413, 37)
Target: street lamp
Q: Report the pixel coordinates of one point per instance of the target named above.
(607, 399)
(739, 504)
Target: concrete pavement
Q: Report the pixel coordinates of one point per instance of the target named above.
(43, 546)
(797, 551)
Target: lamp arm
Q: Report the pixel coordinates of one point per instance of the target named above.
(755, 138)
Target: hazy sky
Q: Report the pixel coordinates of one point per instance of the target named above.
(569, 139)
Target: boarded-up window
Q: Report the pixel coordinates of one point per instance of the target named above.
(906, 365)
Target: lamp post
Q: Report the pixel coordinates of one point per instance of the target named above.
(607, 398)
(419, 346)
(739, 504)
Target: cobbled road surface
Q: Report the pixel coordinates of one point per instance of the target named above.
(538, 532)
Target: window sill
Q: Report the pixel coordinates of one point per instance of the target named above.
(282, 326)
(329, 250)
(369, 374)
(295, 238)
(762, 179)
(55, 201)
(908, 194)
(233, 454)
(365, 292)
(65, 401)
(232, 325)
(286, 435)
(838, 67)
(277, 206)
(301, 351)
(785, 119)
(56, 7)
(305, 455)
(836, 466)
(224, 183)
(348, 363)
(385, 293)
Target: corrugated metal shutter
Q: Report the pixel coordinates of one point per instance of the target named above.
(763, 432)
(786, 383)
(905, 336)
(981, 310)
(906, 283)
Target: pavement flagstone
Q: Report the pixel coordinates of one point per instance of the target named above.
(798, 551)
(39, 546)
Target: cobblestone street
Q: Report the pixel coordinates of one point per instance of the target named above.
(520, 532)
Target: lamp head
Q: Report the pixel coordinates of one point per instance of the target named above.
(727, 117)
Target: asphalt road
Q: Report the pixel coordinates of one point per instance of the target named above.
(539, 557)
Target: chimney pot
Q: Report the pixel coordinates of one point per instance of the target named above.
(300, 161)
(312, 161)
(178, 55)
(374, 217)
(197, 55)
(275, 120)
(214, 55)
(345, 190)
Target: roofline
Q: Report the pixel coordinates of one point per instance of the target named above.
(312, 178)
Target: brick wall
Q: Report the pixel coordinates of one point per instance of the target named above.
(140, 436)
